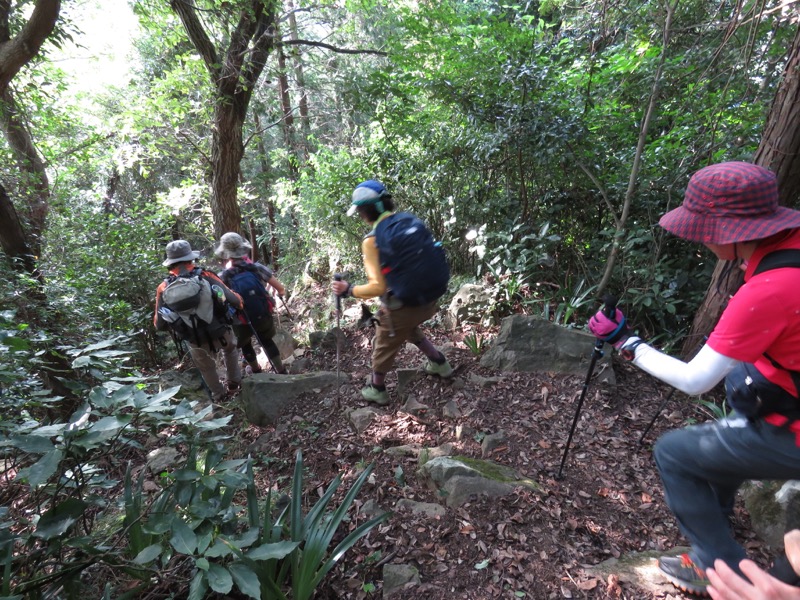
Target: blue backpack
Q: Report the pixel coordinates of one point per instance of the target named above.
(245, 281)
(415, 266)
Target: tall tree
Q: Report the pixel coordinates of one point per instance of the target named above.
(234, 72)
(15, 52)
(778, 151)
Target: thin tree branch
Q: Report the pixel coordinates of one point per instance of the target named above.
(299, 42)
(263, 129)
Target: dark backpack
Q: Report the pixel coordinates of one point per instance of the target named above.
(245, 281)
(189, 295)
(415, 266)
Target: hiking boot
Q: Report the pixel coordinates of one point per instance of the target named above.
(442, 370)
(373, 394)
(684, 574)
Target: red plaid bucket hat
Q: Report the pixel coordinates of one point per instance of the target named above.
(730, 202)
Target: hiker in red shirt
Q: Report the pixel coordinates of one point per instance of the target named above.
(206, 331)
(732, 209)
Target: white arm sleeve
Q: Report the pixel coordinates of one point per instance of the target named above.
(699, 375)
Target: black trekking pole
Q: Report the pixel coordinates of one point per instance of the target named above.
(286, 307)
(609, 307)
(666, 400)
(259, 340)
(338, 277)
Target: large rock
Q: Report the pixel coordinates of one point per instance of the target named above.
(535, 345)
(470, 305)
(459, 479)
(267, 396)
(774, 508)
(285, 342)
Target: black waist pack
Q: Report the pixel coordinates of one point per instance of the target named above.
(752, 395)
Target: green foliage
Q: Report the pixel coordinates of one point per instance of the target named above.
(64, 467)
(717, 411)
(256, 549)
(476, 343)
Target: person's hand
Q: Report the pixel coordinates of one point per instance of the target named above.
(613, 330)
(340, 288)
(726, 584)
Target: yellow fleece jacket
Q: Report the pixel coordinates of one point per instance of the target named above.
(376, 282)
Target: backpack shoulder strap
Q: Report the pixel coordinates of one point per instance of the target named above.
(779, 259)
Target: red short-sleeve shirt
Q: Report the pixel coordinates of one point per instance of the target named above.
(764, 316)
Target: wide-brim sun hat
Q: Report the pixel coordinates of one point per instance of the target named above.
(370, 191)
(179, 251)
(232, 245)
(730, 202)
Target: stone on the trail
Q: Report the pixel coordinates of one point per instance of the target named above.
(458, 478)
(398, 577)
(535, 345)
(163, 459)
(266, 396)
(492, 442)
(470, 305)
(361, 418)
(430, 509)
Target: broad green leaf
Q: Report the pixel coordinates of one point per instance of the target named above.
(199, 586)
(57, 520)
(148, 555)
(183, 538)
(111, 423)
(81, 361)
(43, 469)
(219, 550)
(34, 444)
(49, 430)
(246, 580)
(269, 551)
(111, 353)
(99, 345)
(247, 539)
(219, 579)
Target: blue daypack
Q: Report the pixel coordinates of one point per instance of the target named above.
(415, 266)
(245, 281)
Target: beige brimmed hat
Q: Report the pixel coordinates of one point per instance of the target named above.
(179, 251)
(232, 245)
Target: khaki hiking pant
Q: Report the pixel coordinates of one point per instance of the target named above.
(395, 328)
(206, 362)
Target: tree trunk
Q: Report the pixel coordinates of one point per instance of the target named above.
(233, 76)
(274, 248)
(778, 151)
(15, 53)
(300, 81)
(12, 235)
(227, 151)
